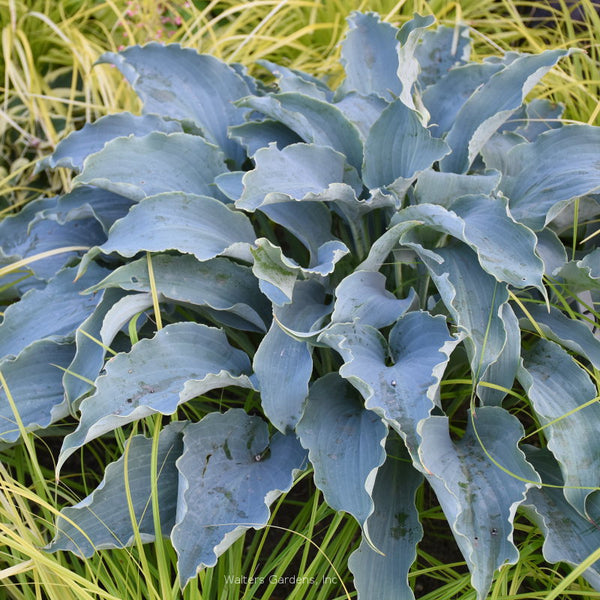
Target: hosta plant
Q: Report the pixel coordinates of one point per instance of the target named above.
(343, 256)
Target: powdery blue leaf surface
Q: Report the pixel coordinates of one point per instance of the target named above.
(444, 99)
(89, 357)
(293, 80)
(72, 151)
(230, 472)
(410, 35)
(540, 116)
(551, 250)
(361, 110)
(345, 444)
(492, 104)
(283, 365)
(85, 202)
(503, 371)
(370, 57)
(362, 296)
(122, 312)
(180, 362)
(310, 222)
(102, 520)
(569, 537)
(218, 283)
(273, 268)
(406, 392)
(566, 331)
(24, 235)
(313, 120)
(581, 275)
(198, 225)
(505, 249)
(495, 151)
(440, 50)
(566, 167)
(182, 84)
(34, 380)
(52, 312)
(559, 390)
(398, 146)
(478, 498)
(136, 167)
(255, 135)
(394, 529)
(381, 247)
(456, 272)
(290, 174)
(434, 187)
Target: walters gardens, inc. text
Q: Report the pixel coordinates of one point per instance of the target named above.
(274, 579)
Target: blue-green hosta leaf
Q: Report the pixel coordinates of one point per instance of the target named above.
(566, 331)
(456, 274)
(445, 98)
(362, 110)
(283, 364)
(478, 498)
(505, 249)
(292, 80)
(492, 104)
(230, 472)
(494, 153)
(280, 273)
(283, 368)
(440, 50)
(313, 120)
(381, 248)
(259, 134)
(53, 312)
(137, 167)
(345, 444)
(34, 381)
(362, 296)
(434, 187)
(406, 392)
(408, 63)
(565, 401)
(394, 529)
(566, 167)
(308, 221)
(72, 151)
(182, 84)
(300, 169)
(581, 275)
(370, 57)
(89, 357)
(190, 224)
(102, 520)
(121, 312)
(180, 362)
(218, 283)
(86, 201)
(540, 116)
(230, 184)
(25, 235)
(502, 372)
(398, 146)
(569, 537)
(551, 250)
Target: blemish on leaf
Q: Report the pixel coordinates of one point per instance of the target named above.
(227, 450)
(399, 530)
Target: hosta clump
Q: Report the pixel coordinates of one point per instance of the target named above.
(340, 253)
